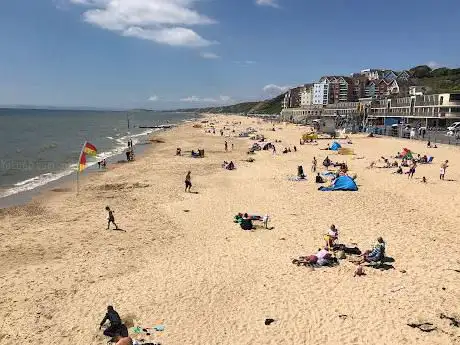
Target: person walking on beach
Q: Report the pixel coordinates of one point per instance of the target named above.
(442, 171)
(226, 146)
(232, 146)
(412, 169)
(188, 182)
(313, 165)
(111, 218)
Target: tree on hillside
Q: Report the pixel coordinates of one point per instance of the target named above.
(422, 71)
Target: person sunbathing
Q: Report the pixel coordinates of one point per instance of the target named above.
(246, 222)
(230, 166)
(399, 171)
(322, 258)
(120, 340)
(377, 253)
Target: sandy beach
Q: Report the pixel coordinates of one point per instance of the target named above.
(182, 262)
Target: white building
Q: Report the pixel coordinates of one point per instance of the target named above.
(371, 74)
(306, 96)
(415, 90)
(321, 92)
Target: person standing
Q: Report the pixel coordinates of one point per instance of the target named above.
(442, 171)
(313, 164)
(111, 218)
(412, 169)
(188, 182)
(226, 146)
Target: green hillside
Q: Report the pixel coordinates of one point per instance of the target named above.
(270, 106)
(439, 80)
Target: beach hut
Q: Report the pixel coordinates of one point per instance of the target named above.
(344, 183)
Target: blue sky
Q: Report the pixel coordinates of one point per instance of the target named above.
(166, 54)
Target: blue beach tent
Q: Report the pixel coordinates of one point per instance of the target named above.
(341, 183)
(335, 146)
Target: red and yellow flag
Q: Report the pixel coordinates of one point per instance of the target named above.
(82, 162)
(90, 149)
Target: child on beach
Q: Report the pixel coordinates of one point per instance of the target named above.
(188, 182)
(111, 218)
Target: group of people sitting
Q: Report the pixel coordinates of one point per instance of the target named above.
(326, 255)
(288, 149)
(245, 220)
(198, 154)
(228, 165)
(308, 141)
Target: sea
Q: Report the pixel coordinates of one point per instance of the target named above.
(38, 147)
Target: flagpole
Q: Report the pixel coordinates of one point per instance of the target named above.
(78, 167)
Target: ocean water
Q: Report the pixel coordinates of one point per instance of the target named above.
(41, 146)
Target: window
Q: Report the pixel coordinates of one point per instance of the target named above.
(454, 97)
(441, 100)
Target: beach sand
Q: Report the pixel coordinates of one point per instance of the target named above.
(182, 262)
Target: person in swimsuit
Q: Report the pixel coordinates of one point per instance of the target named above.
(188, 182)
(111, 218)
(442, 171)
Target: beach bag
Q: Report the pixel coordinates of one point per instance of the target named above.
(340, 255)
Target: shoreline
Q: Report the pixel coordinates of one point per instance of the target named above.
(182, 262)
(67, 182)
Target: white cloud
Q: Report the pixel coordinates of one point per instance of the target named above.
(272, 88)
(209, 56)
(171, 36)
(195, 99)
(272, 3)
(153, 98)
(433, 64)
(247, 62)
(161, 21)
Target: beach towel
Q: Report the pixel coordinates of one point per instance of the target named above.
(342, 183)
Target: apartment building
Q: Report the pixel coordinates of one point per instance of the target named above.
(306, 95)
(439, 109)
(321, 92)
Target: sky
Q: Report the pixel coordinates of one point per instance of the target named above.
(166, 54)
